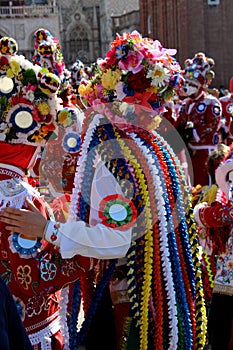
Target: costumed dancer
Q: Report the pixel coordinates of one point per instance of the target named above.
(130, 182)
(209, 194)
(216, 220)
(200, 114)
(32, 268)
(78, 73)
(59, 158)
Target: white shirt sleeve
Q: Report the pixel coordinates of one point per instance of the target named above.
(94, 240)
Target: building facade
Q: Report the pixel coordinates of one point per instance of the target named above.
(84, 28)
(192, 26)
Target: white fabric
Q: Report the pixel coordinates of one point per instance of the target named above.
(94, 240)
(196, 213)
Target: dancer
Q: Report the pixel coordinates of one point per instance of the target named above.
(129, 181)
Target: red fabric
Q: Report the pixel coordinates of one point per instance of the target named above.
(216, 215)
(231, 85)
(18, 155)
(205, 114)
(36, 282)
(121, 311)
(217, 218)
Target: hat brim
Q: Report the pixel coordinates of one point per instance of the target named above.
(221, 173)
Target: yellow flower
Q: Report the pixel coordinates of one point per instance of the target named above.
(14, 69)
(39, 135)
(110, 79)
(85, 89)
(153, 89)
(44, 108)
(64, 118)
(24, 275)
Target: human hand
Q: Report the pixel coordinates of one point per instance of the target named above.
(28, 222)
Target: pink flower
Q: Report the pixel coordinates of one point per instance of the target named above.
(132, 63)
(98, 106)
(30, 87)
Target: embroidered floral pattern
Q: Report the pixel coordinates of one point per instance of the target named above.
(224, 272)
(35, 305)
(48, 270)
(24, 276)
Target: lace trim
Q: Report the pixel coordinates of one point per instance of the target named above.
(12, 193)
(43, 337)
(42, 323)
(63, 312)
(11, 170)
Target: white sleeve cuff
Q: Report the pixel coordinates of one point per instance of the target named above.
(196, 213)
(52, 233)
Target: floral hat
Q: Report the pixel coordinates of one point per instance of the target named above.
(77, 73)
(135, 70)
(27, 98)
(199, 69)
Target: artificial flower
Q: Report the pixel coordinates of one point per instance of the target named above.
(159, 75)
(43, 108)
(134, 65)
(64, 117)
(85, 89)
(3, 62)
(110, 79)
(14, 69)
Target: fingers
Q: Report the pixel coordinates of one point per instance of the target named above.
(13, 214)
(31, 205)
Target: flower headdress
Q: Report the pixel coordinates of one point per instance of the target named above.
(199, 69)
(48, 52)
(27, 98)
(77, 73)
(135, 70)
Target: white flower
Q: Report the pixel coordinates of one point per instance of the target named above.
(159, 75)
(119, 91)
(30, 95)
(3, 126)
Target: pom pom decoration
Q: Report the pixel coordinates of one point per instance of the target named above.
(8, 46)
(199, 69)
(27, 98)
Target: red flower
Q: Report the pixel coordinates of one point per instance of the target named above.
(138, 81)
(3, 61)
(15, 100)
(139, 100)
